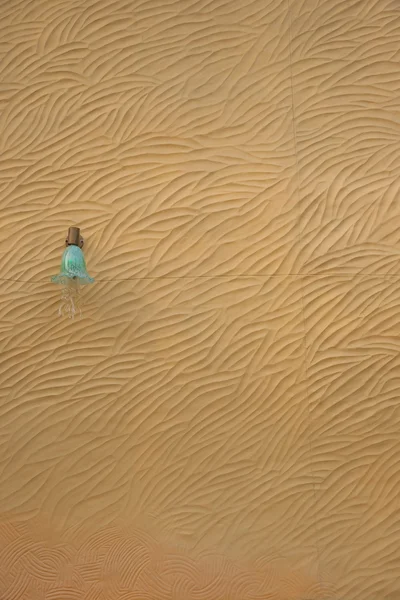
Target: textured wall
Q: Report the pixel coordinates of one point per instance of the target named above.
(223, 423)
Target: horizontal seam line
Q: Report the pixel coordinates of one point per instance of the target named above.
(233, 276)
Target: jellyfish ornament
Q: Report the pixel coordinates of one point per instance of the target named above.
(72, 275)
(73, 265)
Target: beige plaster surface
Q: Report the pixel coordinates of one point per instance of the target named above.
(223, 422)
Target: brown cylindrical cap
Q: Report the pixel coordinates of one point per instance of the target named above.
(74, 236)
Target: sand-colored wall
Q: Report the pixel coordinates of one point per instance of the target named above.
(223, 423)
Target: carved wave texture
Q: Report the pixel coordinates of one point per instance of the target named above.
(222, 422)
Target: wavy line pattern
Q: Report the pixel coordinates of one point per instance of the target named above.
(162, 150)
(121, 562)
(353, 365)
(145, 399)
(222, 423)
(346, 100)
(170, 402)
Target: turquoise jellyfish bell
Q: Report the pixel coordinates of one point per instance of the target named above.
(73, 266)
